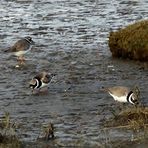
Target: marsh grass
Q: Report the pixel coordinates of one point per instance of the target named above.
(130, 42)
(135, 121)
(8, 138)
(132, 118)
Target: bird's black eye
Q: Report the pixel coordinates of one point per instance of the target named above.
(30, 39)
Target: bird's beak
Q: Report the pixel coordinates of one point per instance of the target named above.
(136, 102)
(33, 43)
(53, 78)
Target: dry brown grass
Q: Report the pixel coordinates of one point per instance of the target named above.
(133, 118)
(8, 138)
(130, 42)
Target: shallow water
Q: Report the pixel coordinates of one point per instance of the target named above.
(71, 40)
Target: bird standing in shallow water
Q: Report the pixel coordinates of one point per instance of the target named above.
(21, 47)
(41, 80)
(124, 94)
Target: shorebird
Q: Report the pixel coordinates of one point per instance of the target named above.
(41, 80)
(21, 47)
(124, 94)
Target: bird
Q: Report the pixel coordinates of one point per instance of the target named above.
(124, 94)
(41, 80)
(21, 47)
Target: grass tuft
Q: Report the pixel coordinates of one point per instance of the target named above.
(130, 42)
(8, 138)
(132, 118)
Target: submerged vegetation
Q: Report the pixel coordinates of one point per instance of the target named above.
(47, 132)
(134, 119)
(8, 137)
(130, 42)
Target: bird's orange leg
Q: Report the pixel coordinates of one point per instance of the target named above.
(21, 60)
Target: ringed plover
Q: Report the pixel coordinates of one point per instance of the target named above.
(124, 94)
(41, 80)
(21, 47)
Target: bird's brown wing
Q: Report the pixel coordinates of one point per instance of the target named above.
(44, 77)
(39, 76)
(118, 90)
(20, 46)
